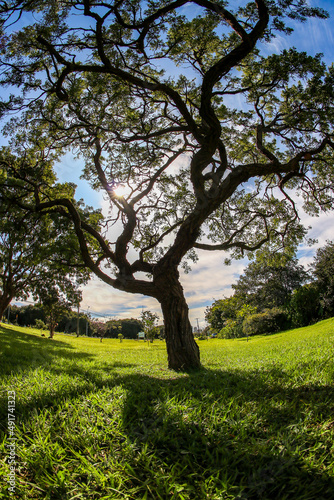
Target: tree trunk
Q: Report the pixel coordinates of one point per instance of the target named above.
(52, 327)
(182, 350)
(4, 303)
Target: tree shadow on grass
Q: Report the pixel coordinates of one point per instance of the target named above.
(212, 436)
(219, 434)
(216, 434)
(24, 352)
(198, 429)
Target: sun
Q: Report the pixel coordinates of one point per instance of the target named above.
(122, 190)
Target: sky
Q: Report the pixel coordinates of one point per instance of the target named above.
(210, 278)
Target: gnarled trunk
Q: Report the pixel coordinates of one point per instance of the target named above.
(182, 350)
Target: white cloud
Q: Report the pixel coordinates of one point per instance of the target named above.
(210, 279)
(102, 299)
(321, 230)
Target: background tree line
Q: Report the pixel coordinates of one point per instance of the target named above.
(275, 293)
(67, 321)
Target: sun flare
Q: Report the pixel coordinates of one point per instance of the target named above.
(122, 190)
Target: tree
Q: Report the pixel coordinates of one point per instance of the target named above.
(35, 249)
(56, 299)
(18, 252)
(221, 311)
(68, 322)
(28, 315)
(268, 321)
(99, 329)
(269, 280)
(184, 110)
(304, 307)
(114, 328)
(149, 321)
(323, 271)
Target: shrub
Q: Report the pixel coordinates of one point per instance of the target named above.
(232, 330)
(40, 324)
(269, 321)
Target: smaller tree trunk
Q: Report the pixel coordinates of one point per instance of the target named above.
(182, 350)
(52, 326)
(4, 303)
(52, 331)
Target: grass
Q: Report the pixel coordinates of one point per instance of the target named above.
(109, 421)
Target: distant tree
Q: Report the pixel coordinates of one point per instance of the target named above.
(149, 321)
(221, 311)
(131, 327)
(56, 298)
(305, 305)
(28, 315)
(212, 134)
(68, 322)
(265, 322)
(233, 326)
(114, 328)
(323, 272)
(99, 329)
(12, 314)
(267, 283)
(269, 280)
(40, 325)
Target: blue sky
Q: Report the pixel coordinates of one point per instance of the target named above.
(210, 279)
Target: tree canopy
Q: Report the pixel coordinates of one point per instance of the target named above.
(269, 280)
(323, 272)
(38, 252)
(181, 103)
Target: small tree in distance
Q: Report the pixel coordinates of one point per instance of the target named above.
(212, 134)
(149, 321)
(56, 298)
(99, 328)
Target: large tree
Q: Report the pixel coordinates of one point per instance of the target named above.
(38, 252)
(269, 280)
(181, 102)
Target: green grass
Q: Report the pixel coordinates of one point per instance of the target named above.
(109, 421)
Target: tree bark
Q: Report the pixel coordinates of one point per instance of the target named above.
(4, 303)
(182, 350)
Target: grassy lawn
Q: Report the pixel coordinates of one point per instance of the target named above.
(109, 421)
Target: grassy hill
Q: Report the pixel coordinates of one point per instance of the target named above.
(109, 421)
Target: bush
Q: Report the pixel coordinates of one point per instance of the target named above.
(40, 325)
(269, 321)
(232, 330)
